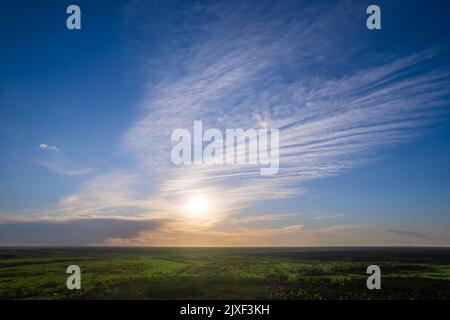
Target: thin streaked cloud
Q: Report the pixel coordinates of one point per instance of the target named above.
(328, 216)
(45, 146)
(242, 68)
(233, 78)
(57, 162)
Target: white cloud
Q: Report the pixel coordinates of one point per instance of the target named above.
(44, 146)
(328, 216)
(62, 169)
(57, 162)
(328, 124)
(248, 69)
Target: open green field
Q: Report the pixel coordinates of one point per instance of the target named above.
(225, 273)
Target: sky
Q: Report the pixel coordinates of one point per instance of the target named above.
(86, 118)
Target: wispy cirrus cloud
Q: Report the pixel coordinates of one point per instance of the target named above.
(63, 169)
(328, 216)
(54, 160)
(242, 68)
(261, 218)
(45, 146)
(234, 76)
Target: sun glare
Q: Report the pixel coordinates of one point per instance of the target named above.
(197, 206)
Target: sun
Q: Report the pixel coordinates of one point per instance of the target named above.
(197, 206)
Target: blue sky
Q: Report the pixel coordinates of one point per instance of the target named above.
(86, 117)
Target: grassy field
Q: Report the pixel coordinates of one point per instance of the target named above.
(222, 273)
